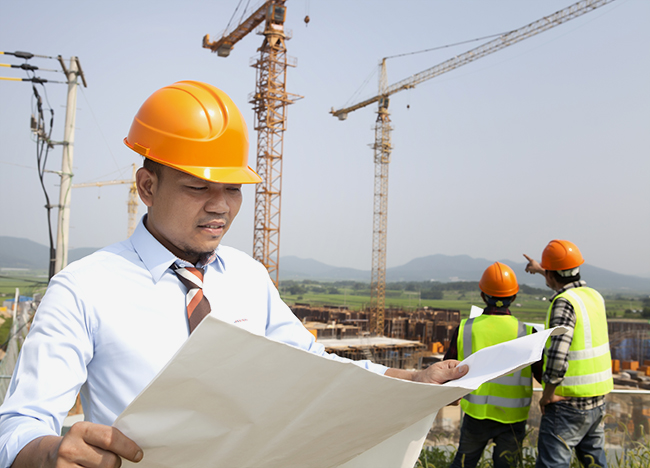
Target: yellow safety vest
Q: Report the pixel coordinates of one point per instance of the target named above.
(505, 399)
(590, 369)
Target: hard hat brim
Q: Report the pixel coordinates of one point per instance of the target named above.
(222, 175)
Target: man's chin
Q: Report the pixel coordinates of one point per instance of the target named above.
(201, 251)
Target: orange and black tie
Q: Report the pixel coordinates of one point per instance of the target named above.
(197, 304)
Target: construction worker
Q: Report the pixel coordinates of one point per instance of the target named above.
(577, 365)
(111, 321)
(498, 409)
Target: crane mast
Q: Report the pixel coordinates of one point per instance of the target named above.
(382, 149)
(270, 101)
(382, 146)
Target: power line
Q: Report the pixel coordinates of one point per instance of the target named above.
(26, 66)
(17, 165)
(26, 55)
(101, 133)
(43, 146)
(33, 80)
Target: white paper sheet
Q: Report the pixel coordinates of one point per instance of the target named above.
(475, 312)
(233, 399)
(537, 326)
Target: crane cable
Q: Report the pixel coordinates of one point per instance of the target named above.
(225, 31)
(448, 45)
(372, 74)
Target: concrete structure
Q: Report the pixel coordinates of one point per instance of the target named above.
(391, 352)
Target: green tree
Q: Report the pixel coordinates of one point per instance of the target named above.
(296, 289)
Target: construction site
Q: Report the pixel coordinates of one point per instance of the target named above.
(409, 339)
(397, 338)
(389, 336)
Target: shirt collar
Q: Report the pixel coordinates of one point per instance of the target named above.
(575, 284)
(492, 310)
(156, 257)
(212, 259)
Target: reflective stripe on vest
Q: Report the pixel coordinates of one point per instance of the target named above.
(505, 399)
(589, 353)
(497, 401)
(589, 372)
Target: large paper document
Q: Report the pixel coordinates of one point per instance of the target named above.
(232, 399)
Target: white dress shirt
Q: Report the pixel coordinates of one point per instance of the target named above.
(111, 321)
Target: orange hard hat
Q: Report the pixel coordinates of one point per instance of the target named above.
(195, 128)
(499, 280)
(561, 255)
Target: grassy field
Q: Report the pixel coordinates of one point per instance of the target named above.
(27, 284)
(356, 296)
(529, 307)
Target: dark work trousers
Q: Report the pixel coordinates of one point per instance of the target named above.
(475, 435)
(564, 428)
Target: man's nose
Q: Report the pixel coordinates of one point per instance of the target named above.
(217, 202)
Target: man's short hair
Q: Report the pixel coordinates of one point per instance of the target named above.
(153, 166)
(564, 280)
(495, 301)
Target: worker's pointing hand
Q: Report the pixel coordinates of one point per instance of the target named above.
(533, 266)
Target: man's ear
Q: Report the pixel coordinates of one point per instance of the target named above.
(146, 182)
(483, 297)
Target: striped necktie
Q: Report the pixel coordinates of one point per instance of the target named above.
(197, 304)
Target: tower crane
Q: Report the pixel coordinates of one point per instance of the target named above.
(269, 101)
(132, 204)
(382, 145)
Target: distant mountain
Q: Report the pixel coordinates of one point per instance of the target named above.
(22, 253)
(295, 268)
(16, 252)
(445, 268)
(441, 268)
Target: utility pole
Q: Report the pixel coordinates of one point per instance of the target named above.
(65, 192)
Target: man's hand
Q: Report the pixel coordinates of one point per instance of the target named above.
(85, 444)
(534, 266)
(549, 397)
(441, 372)
(437, 373)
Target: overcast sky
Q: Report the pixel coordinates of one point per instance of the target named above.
(545, 139)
